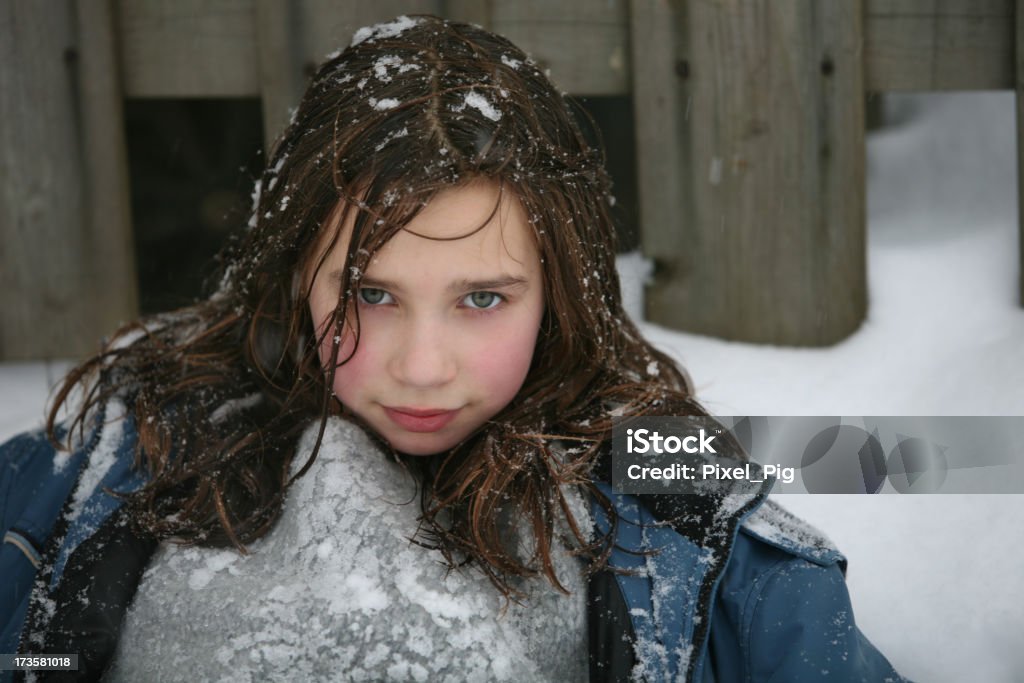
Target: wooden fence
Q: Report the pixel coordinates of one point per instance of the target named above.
(749, 115)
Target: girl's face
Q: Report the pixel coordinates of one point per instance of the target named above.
(448, 328)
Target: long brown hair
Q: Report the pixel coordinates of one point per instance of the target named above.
(220, 391)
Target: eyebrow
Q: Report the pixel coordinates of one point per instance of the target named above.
(464, 285)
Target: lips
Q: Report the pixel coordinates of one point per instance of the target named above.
(420, 419)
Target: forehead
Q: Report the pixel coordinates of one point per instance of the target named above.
(465, 230)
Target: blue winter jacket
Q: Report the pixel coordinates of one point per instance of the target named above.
(735, 590)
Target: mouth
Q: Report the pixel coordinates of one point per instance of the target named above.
(422, 420)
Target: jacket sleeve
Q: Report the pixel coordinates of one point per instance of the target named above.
(782, 615)
(799, 626)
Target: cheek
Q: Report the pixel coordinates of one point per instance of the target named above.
(502, 360)
(350, 378)
(322, 307)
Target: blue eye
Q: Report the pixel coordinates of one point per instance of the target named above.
(482, 300)
(373, 296)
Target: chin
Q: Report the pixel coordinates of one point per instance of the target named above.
(422, 444)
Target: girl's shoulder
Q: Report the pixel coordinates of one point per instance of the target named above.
(43, 488)
(36, 476)
(789, 613)
(40, 484)
(777, 527)
(35, 479)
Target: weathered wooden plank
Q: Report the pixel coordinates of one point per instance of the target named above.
(110, 269)
(585, 44)
(1019, 84)
(188, 48)
(660, 108)
(470, 11)
(773, 250)
(280, 69)
(192, 48)
(45, 302)
(939, 44)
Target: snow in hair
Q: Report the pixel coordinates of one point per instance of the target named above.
(388, 29)
(480, 103)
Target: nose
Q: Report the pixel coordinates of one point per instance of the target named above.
(424, 355)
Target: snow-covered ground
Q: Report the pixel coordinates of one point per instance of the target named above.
(935, 579)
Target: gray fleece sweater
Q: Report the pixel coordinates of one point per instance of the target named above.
(336, 591)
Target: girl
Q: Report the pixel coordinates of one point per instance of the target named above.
(424, 307)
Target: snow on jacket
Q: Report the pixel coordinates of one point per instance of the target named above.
(738, 590)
